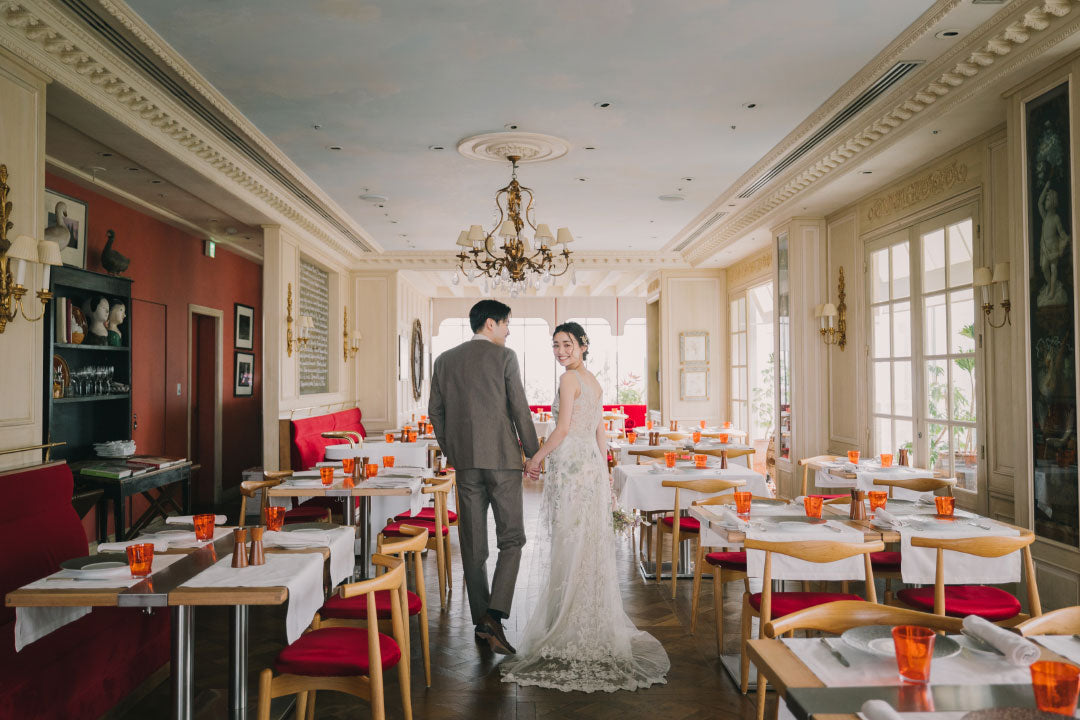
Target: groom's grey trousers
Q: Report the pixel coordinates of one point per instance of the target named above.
(501, 489)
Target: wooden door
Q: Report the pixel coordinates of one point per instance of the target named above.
(203, 399)
(148, 391)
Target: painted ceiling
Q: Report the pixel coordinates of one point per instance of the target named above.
(385, 81)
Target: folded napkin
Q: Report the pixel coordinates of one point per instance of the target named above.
(926, 498)
(879, 710)
(160, 544)
(730, 518)
(884, 517)
(190, 519)
(849, 467)
(1017, 650)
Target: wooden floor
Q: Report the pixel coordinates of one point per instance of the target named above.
(465, 677)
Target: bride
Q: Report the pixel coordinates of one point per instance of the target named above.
(579, 637)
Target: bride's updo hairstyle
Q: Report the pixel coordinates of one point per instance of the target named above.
(578, 333)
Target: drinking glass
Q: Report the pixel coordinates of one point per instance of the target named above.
(412, 436)
(696, 437)
(669, 460)
(878, 498)
(727, 424)
(388, 461)
(723, 438)
(389, 437)
(702, 424)
(946, 504)
(853, 456)
(275, 517)
(914, 649)
(204, 526)
(326, 474)
(631, 437)
(648, 424)
(371, 470)
(140, 559)
(348, 464)
(886, 460)
(1055, 685)
(423, 418)
(812, 504)
(701, 460)
(742, 501)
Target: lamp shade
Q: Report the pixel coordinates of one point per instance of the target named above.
(463, 239)
(507, 229)
(476, 234)
(24, 248)
(564, 236)
(543, 234)
(829, 310)
(1001, 272)
(982, 277)
(49, 253)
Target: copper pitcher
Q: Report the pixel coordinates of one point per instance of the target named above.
(903, 456)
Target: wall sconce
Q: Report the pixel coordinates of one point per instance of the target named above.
(303, 331)
(983, 279)
(833, 318)
(349, 349)
(14, 257)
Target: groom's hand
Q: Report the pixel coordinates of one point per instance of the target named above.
(532, 469)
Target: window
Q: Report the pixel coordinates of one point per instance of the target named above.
(631, 357)
(923, 363)
(753, 367)
(739, 398)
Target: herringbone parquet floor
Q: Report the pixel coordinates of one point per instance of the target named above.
(465, 677)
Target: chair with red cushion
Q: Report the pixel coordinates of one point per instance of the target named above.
(767, 604)
(687, 528)
(439, 488)
(298, 514)
(340, 611)
(346, 659)
(1063, 621)
(805, 464)
(990, 603)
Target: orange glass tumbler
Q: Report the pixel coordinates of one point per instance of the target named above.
(631, 437)
(946, 504)
(723, 437)
(204, 526)
(648, 424)
(1055, 685)
(389, 437)
(727, 424)
(914, 648)
(812, 504)
(878, 498)
(140, 559)
(886, 460)
(669, 459)
(388, 461)
(702, 424)
(412, 436)
(371, 470)
(348, 465)
(853, 456)
(275, 517)
(701, 460)
(742, 501)
(326, 474)
(696, 436)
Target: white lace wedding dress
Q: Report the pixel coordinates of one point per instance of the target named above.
(579, 638)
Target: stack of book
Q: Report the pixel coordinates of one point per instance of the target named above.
(135, 465)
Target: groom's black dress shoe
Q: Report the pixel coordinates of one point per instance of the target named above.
(491, 630)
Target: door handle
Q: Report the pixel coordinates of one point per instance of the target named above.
(134, 421)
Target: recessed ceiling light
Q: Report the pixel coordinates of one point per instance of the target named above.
(370, 197)
(155, 182)
(603, 104)
(334, 147)
(688, 179)
(749, 105)
(590, 147)
(933, 132)
(134, 169)
(731, 204)
(582, 180)
(393, 222)
(403, 235)
(672, 198)
(105, 154)
(316, 126)
(866, 172)
(511, 126)
(230, 230)
(946, 34)
(435, 147)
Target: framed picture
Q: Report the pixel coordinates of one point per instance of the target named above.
(694, 383)
(66, 213)
(244, 374)
(694, 347)
(244, 325)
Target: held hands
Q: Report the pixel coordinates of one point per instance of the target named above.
(532, 468)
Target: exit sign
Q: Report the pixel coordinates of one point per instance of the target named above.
(209, 248)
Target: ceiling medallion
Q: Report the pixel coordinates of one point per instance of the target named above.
(515, 264)
(527, 147)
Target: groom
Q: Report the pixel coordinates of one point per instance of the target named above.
(479, 411)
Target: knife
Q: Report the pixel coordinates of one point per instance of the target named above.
(835, 653)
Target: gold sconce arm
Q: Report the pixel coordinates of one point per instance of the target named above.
(14, 258)
(834, 332)
(986, 280)
(301, 338)
(349, 345)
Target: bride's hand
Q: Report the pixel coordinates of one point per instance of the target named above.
(532, 468)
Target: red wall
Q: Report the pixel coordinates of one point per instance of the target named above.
(168, 267)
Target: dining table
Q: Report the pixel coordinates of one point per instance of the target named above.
(621, 448)
(860, 476)
(414, 454)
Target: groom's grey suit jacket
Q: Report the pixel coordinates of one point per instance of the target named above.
(478, 407)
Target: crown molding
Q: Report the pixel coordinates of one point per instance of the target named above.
(65, 50)
(948, 81)
(600, 259)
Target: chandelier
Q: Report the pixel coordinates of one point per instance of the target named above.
(517, 263)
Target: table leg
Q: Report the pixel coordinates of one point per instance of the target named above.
(365, 539)
(118, 517)
(238, 657)
(103, 518)
(348, 516)
(183, 659)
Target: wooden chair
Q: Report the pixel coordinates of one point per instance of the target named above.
(654, 454)
(836, 617)
(804, 463)
(676, 436)
(991, 603)
(923, 484)
(437, 539)
(271, 478)
(346, 659)
(732, 454)
(676, 525)
(340, 611)
(765, 604)
(1064, 621)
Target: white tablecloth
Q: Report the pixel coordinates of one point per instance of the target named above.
(622, 448)
(1065, 645)
(411, 454)
(918, 565)
(637, 486)
(868, 669)
(34, 623)
(301, 574)
(865, 474)
(788, 568)
(543, 428)
(339, 540)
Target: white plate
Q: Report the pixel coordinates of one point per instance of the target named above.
(799, 527)
(167, 534)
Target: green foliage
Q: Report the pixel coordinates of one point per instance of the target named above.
(763, 402)
(631, 391)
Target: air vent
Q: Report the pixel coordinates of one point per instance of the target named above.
(988, 2)
(882, 85)
(697, 233)
(180, 92)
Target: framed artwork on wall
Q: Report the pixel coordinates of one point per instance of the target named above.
(694, 347)
(694, 383)
(65, 223)
(244, 374)
(244, 326)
